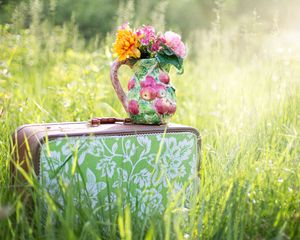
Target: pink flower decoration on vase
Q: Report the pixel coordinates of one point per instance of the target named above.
(149, 82)
(148, 93)
(172, 108)
(133, 107)
(164, 77)
(160, 90)
(173, 41)
(146, 34)
(164, 106)
(161, 106)
(131, 84)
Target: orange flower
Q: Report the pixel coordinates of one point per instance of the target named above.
(127, 44)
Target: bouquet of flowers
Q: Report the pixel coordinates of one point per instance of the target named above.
(145, 43)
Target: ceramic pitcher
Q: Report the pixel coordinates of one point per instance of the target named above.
(150, 98)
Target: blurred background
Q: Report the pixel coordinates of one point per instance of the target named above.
(98, 17)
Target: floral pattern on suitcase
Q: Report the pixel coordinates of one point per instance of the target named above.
(147, 170)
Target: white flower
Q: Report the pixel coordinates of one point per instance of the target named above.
(142, 178)
(95, 146)
(106, 167)
(93, 187)
(145, 142)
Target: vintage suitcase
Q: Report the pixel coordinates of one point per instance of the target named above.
(110, 158)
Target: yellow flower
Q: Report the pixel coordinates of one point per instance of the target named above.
(127, 44)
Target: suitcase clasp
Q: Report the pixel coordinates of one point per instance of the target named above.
(107, 120)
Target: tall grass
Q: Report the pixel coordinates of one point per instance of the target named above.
(240, 88)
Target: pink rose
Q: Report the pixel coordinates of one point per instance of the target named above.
(146, 34)
(157, 44)
(173, 41)
(133, 107)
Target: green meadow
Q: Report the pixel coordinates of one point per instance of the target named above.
(240, 89)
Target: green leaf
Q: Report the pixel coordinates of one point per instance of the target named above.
(167, 50)
(164, 58)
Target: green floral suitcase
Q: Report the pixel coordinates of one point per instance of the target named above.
(145, 166)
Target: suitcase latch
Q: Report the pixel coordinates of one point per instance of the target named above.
(98, 121)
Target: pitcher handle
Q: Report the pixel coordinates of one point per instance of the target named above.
(116, 83)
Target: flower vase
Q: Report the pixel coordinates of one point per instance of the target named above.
(150, 98)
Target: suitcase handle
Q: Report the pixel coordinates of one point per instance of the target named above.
(107, 120)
